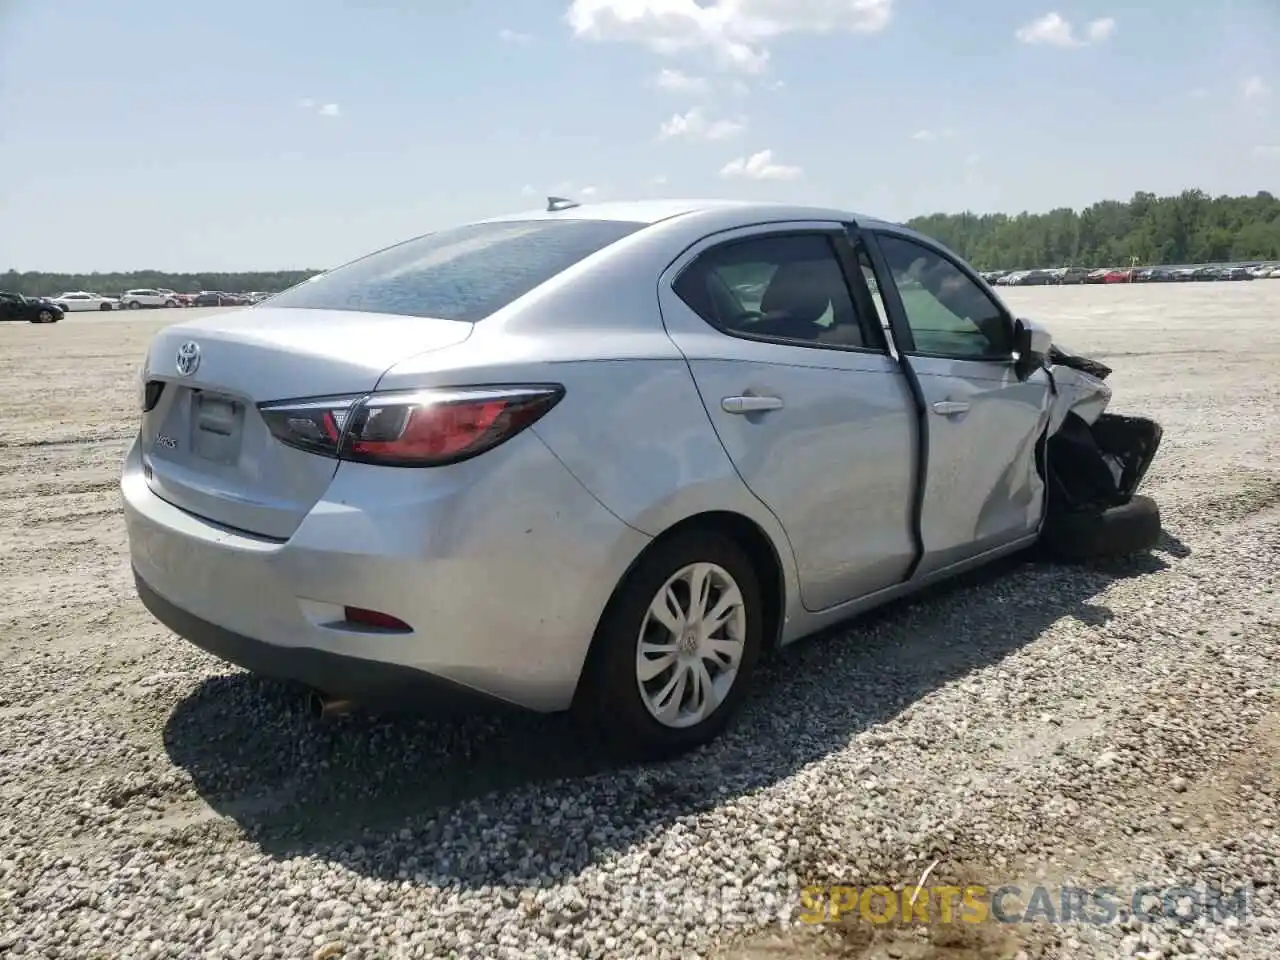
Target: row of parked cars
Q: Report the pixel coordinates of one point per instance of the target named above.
(153, 297)
(17, 306)
(1070, 275)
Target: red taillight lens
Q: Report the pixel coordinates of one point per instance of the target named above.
(420, 428)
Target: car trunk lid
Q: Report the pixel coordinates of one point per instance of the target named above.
(205, 447)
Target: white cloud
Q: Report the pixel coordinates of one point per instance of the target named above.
(677, 81)
(1271, 150)
(1254, 88)
(928, 136)
(1199, 93)
(660, 180)
(759, 166)
(735, 32)
(528, 191)
(514, 37)
(694, 125)
(1099, 30)
(589, 191)
(324, 109)
(1054, 30)
(973, 159)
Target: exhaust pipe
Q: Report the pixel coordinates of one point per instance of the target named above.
(321, 706)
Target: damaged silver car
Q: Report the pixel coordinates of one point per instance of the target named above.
(603, 458)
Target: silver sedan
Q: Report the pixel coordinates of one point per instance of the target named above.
(605, 458)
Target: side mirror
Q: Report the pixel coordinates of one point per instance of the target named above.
(1031, 343)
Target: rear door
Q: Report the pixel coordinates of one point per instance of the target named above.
(982, 490)
(795, 376)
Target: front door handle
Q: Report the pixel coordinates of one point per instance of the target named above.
(750, 404)
(949, 408)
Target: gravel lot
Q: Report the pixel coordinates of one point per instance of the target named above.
(1114, 725)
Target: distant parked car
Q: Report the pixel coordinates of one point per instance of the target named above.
(14, 306)
(1070, 275)
(1118, 276)
(179, 299)
(148, 297)
(1039, 278)
(1154, 275)
(215, 298)
(78, 300)
(1234, 273)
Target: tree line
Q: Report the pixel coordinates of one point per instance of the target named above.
(1191, 227)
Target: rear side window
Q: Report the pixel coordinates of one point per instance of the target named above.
(465, 273)
(780, 287)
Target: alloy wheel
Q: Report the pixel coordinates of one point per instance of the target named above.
(690, 645)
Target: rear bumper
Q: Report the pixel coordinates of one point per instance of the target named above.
(371, 683)
(501, 572)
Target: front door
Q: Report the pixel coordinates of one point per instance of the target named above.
(816, 416)
(983, 489)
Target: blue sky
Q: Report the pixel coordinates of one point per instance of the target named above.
(275, 134)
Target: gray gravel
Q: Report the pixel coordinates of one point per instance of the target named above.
(1035, 724)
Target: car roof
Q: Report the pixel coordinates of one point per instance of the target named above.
(654, 211)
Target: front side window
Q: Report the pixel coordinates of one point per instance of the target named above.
(465, 273)
(783, 287)
(949, 314)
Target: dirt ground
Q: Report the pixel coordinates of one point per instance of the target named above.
(1204, 359)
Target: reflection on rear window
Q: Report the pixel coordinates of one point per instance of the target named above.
(465, 273)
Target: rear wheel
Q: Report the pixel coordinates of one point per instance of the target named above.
(171, 303)
(134, 305)
(105, 306)
(675, 651)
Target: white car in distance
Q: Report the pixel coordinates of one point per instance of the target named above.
(82, 300)
(136, 299)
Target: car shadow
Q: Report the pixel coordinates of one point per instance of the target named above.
(378, 795)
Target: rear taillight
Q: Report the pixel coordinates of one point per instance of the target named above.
(411, 428)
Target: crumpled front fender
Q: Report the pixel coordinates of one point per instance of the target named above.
(1080, 387)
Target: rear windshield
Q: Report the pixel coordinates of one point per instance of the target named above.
(465, 273)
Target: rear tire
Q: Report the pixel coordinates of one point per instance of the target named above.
(171, 303)
(105, 306)
(637, 655)
(134, 305)
(1118, 532)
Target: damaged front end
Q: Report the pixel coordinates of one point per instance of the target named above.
(1094, 460)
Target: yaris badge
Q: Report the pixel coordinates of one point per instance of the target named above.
(188, 358)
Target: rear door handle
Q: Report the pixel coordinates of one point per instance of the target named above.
(750, 404)
(949, 408)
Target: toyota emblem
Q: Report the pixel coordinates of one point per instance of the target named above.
(188, 358)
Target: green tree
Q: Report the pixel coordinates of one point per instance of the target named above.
(1191, 227)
